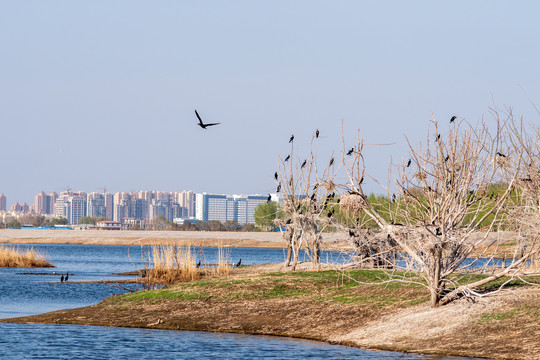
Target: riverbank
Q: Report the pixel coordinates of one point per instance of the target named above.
(327, 306)
(271, 240)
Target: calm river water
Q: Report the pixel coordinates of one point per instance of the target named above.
(27, 294)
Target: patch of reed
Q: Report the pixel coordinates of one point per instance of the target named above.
(167, 264)
(223, 266)
(22, 258)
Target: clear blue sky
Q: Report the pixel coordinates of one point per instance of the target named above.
(102, 93)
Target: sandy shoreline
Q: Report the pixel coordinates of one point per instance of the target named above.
(194, 238)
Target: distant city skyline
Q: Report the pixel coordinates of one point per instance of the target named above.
(137, 207)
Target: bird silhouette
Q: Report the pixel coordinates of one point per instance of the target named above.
(438, 231)
(361, 180)
(291, 139)
(438, 137)
(62, 278)
(275, 175)
(199, 264)
(452, 119)
(278, 188)
(239, 263)
(447, 157)
(287, 158)
(500, 154)
(203, 125)
(317, 133)
(350, 152)
(269, 198)
(409, 163)
(303, 164)
(66, 278)
(351, 233)
(331, 162)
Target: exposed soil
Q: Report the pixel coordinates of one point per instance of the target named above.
(327, 306)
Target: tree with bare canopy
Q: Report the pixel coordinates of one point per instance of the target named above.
(306, 200)
(448, 199)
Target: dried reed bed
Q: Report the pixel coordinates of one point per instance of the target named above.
(169, 264)
(22, 258)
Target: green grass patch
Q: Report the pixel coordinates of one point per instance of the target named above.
(156, 295)
(497, 316)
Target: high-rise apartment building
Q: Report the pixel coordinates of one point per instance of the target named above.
(240, 208)
(186, 199)
(3, 202)
(40, 203)
(51, 199)
(76, 207)
(70, 205)
(95, 205)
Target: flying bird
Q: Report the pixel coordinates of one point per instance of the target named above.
(203, 125)
(317, 133)
(452, 119)
(291, 139)
(275, 175)
(287, 158)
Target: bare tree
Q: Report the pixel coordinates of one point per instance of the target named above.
(307, 204)
(449, 189)
(524, 206)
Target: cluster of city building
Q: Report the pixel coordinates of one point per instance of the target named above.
(138, 207)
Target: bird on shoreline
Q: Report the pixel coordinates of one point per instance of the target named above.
(203, 125)
(239, 263)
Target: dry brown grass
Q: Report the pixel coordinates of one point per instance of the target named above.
(169, 264)
(22, 258)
